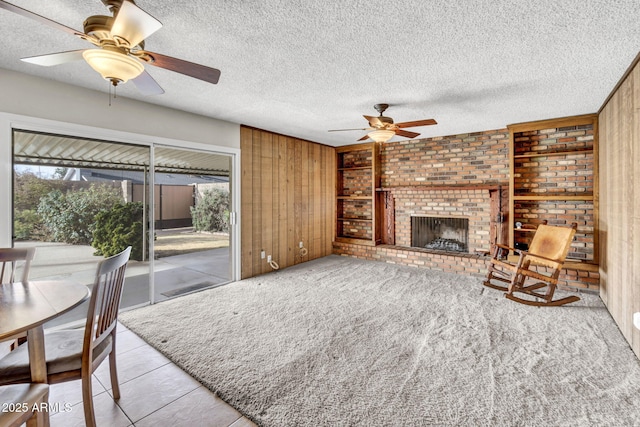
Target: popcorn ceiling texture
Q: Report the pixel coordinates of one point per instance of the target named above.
(301, 68)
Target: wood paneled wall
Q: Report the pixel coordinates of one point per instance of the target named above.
(619, 223)
(288, 196)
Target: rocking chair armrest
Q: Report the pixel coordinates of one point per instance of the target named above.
(529, 254)
(501, 246)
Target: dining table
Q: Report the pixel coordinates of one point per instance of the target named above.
(26, 307)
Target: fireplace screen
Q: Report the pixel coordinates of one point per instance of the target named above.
(443, 234)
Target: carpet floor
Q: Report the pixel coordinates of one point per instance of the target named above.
(341, 341)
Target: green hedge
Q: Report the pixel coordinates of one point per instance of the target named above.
(211, 212)
(70, 217)
(117, 228)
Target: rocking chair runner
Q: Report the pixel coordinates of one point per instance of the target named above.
(547, 251)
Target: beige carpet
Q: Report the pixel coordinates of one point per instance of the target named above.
(339, 341)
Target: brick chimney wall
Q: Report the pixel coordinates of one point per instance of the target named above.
(413, 170)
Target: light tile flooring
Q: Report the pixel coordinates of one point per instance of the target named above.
(154, 392)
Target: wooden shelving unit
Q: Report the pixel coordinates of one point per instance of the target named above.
(554, 177)
(358, 177)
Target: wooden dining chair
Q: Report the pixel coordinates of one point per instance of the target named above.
(76, 354)
(11, 259)
(541, 263)
(24, 402)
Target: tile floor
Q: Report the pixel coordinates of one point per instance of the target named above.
(154, 392)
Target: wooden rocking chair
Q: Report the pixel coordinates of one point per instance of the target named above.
(542, 262)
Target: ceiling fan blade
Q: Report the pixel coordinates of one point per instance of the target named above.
(207, 74)
(147, 85)
(55, 58)
(406, 133)
(134, 24)
(342, 130)
(364, 138)
(28, 14)
(417, 123)
(374, 121)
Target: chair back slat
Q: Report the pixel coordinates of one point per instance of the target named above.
(11, 259)
(551, 242)
(106, 294)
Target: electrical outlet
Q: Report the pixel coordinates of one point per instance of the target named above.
(269, 258)
(262, 254)
(301, 245)
(636, 319)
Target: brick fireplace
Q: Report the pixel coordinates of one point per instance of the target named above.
(440, 233)
(469, 204)
(459, 176)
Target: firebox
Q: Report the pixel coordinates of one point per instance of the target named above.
(437, 233)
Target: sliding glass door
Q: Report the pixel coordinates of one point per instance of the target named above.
(74, 197)
(192, 205)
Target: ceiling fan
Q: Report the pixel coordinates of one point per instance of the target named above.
(383, 128)
(119, 54)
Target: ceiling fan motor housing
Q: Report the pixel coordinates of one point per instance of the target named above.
(98, 26)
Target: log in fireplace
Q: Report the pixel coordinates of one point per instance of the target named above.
(438, 233)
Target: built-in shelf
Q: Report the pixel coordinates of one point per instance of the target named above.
(554, 153)
(554, 197)
(355, 168)
(533, 230)
(568, 146)
(358, 176)
(354, 197)
(569, 264)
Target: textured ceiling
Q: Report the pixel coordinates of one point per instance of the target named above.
(301, 68)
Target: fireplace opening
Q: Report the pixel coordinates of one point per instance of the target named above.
(442, 234)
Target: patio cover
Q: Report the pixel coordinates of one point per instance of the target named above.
(34, 148)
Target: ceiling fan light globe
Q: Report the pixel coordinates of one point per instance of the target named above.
(113, 65)
(381, 135)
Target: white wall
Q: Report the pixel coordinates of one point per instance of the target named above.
(36, 97)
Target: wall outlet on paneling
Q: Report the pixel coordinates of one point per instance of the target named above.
(636, 319)
(262, 254)
(269, 258)
(301, 245)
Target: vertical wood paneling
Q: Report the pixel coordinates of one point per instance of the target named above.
(285, 244)
(634, 156)
(256, 218)
(292, 256)
(316, 178)
(329, 211)
(246, 202)
(288, 193)
(619, 200)
(266, 196)
(297, 206)
(304, 200)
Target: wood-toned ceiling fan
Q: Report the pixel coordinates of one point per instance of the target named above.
(383, 128)
(120, 52)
